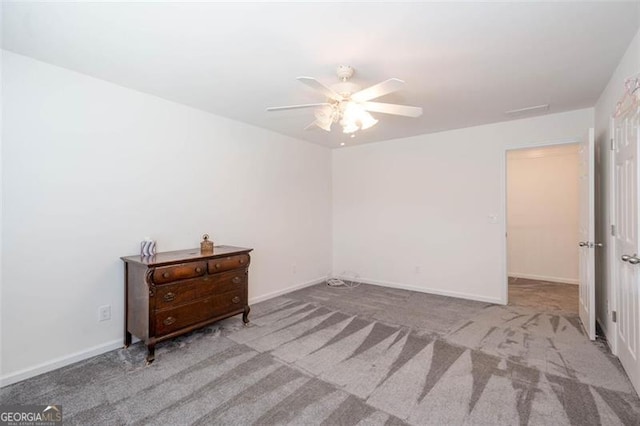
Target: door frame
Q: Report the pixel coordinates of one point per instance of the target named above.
(609, 246)
(503, 178)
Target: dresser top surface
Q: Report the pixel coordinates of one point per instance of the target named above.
(178, 256)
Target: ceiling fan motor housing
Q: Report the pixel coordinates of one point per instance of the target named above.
(345, 88)
(344, 72)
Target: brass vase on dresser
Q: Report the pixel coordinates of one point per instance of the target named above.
(173, 293)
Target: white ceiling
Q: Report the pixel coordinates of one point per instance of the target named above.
(463, 63)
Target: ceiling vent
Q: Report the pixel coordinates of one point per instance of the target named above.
(538, 109)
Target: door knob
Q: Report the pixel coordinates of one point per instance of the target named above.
(582, 244)
(634, 260)
(597, 244)
(625, 257)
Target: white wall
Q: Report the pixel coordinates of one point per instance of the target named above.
(414, 212)
(90, 168)
(1, 174)
(629, 66)
(542, 213)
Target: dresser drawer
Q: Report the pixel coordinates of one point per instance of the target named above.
(166, 274)
(230, 301)
(227, 263)
(176, 294)
(170, 320)
(179, 293)
(230, 281)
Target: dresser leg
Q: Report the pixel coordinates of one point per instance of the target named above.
(127, 339)
(245, 315)
(151, 353)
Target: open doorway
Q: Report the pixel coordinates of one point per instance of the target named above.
(542, 212)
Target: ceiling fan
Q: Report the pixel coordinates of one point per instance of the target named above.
(349, 105)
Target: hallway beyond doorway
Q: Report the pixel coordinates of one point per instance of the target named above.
(543, 295)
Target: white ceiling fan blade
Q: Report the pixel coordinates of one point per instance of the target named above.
(282, 108)
(378, 90)
(395, 109)
(316, 85)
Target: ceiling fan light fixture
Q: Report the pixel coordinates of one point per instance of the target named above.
(356, 115)
(324, 124)
(324, 117)
(324, 113)
(349, 127)
(367, 120)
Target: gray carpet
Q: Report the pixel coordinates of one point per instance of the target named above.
(362, 356)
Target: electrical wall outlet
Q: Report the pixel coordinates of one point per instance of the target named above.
(104, 313)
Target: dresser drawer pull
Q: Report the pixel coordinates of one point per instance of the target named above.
(198, 269)
(166, 275)
(217, 266)
(236, 280)
(236, 299)
(169, 296)
(241, 260)
(169, 321)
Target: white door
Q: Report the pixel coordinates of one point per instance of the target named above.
(586, 245)
(627, 221)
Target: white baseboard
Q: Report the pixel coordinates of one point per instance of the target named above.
(60, 362)
(428, 290)
(286, 290)
(544, 278)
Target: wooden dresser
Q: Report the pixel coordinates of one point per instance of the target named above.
(175, 292)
